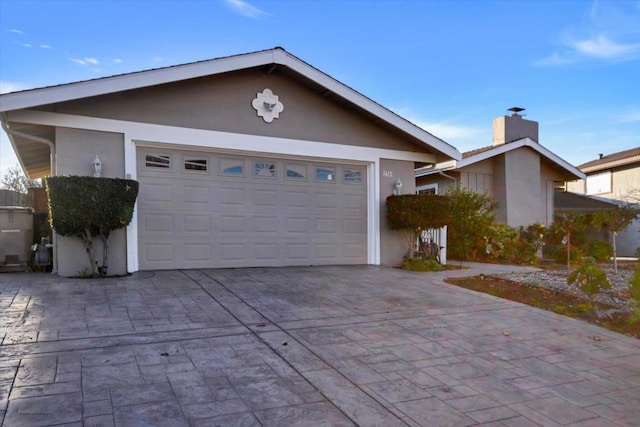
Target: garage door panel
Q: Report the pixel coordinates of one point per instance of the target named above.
(262, 197)
(265, 224)
(232, 196)
(158, 223)
(209, 220)
(159, 252)
(297, 225)
(233, 224)
(196, 195)
(197, 223)
(197, 251)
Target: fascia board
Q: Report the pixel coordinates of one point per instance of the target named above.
(284, 58)
(524, 142)
(612, 164)
(102, 86)
(67, 92)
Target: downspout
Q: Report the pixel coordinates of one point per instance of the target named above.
(455, 181)
(52, 156)
(52, 146)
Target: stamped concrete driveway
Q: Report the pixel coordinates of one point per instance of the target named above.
(334, 346)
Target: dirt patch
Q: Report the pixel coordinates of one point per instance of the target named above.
(546, 299)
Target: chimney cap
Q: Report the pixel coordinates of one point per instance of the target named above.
(516, 110)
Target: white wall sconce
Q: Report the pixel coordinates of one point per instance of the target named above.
(397, 187)
(96, 167)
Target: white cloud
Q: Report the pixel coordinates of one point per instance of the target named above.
(555, 59)
(630, 116)
(85, 61)
(117, 61)
(6, 87)
(157, 59)
(46, 46)
(15, 31)
(602, 47)
(25, 44)
(245, 9)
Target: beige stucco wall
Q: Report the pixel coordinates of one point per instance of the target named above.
(75, 150)
(223, 103)
(393, 244)
(624, 181)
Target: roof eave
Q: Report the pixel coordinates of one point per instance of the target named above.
(524, 142)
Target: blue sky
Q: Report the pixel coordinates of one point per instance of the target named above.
(451, 67)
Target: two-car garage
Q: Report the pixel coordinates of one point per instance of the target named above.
(208, 209)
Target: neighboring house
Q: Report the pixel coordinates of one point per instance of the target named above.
(614, 177)
(250, 160)
(518, 172)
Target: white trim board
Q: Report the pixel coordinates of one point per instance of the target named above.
(196, 138)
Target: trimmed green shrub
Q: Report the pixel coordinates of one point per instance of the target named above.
(86, 207)
(421, 264)
(417, 212)
(414, 212)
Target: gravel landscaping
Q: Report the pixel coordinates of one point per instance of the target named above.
(556, 280)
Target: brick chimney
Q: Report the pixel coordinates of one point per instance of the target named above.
(511, 128)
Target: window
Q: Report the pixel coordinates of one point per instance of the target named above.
(264, 169)
(295, 171)
(157, 161)
(196, 165)
(325, 174)
(427, 189)
(599, 183)
(352, 176)
(231, 167)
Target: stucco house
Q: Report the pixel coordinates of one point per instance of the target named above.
(614, 177)
(516, 170)
(256, 159)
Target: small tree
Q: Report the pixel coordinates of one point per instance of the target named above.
(15, 180)
(471, 217)
(590, 278)
(616, 220)
(89, 208)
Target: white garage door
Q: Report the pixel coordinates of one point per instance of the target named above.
(200, 210)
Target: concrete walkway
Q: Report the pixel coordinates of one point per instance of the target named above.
(332, 346)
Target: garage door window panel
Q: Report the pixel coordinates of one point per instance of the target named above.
(264, 169)
(231, 167)
(195, 165)
(155, 161)
(325, 174)
(295, 172)
(352, 176)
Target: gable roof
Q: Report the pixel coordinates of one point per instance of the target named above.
(276, 58)
(621, 158)
(484, 153)
(567, 201)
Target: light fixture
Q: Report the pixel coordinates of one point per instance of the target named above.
(96, 166)
(396, 187)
